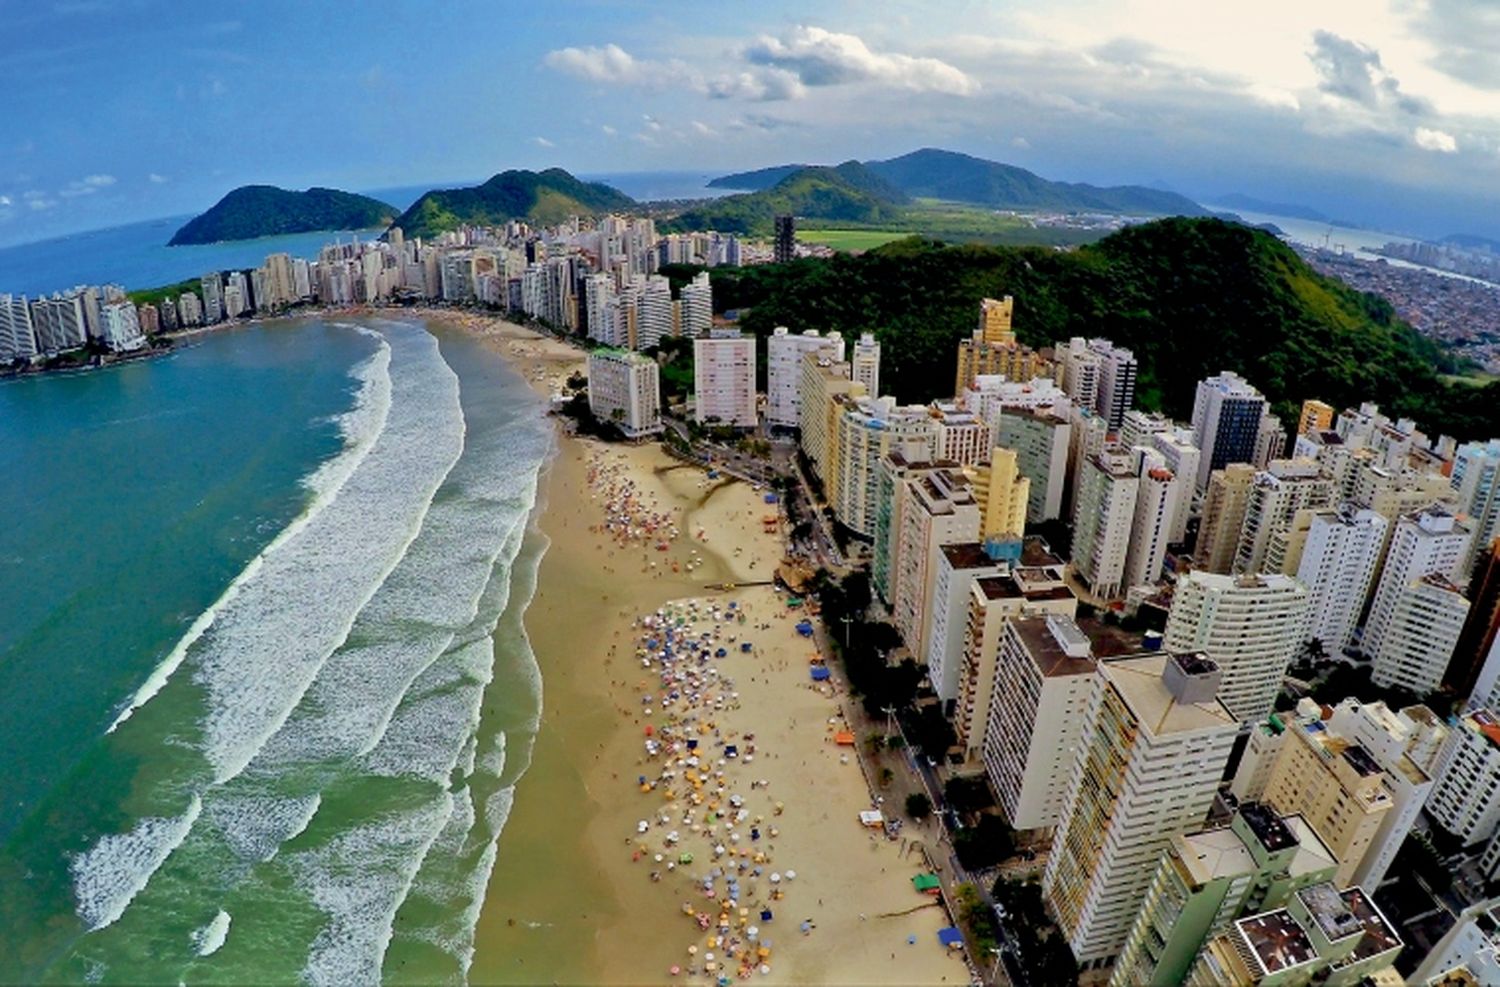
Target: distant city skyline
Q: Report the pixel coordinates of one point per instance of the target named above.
(1384, 113)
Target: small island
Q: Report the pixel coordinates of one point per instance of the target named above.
(252, 211)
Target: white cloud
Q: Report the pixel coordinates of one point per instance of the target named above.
(87, 185)
(612, 64)
(762, 84)
(1429, 139)
(703, 129)
(608, 130)
(542, 142)
(4, 200)
(818, 57)
(1020, 142)
(609, 63)
(156, 179)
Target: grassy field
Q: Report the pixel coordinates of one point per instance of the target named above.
(851, 239)
(954, 222)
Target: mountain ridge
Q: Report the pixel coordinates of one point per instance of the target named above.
(952, 176)
(540, 197)
(252, 211)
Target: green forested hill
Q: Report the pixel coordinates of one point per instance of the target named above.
(1191, 297)
(265, 210)
(848, 193)
(933, 173)
(540, 197)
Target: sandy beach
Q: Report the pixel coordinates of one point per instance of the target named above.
(717, 758)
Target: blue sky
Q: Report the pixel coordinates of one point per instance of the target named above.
(1381, 111)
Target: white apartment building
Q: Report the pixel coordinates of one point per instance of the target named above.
(653, 323)
(724, 379)
(954, 567)
(1276, 495)
(1027, 590)
(867, 429)
(939, 510)
(1107, 491)
(697, 306)
(959, 436)
(1251, 626)
(625, 388)
(1432, 540)
(1156, 502)
(1081, 369)
(1391, 739)
(1466, 799)
(1137, 427)
(1181, 457)
(1153, 748)
(1425, 620)
(864, 363)
(1476, 466)
(122, 328)
(1338, 568)
(1044, 679)
(784, 352)
(17, 337)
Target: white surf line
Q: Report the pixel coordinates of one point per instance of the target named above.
(257, 677)
(361, 424)
(210, 938)
(108, 876)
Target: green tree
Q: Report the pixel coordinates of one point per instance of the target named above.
(918, 806)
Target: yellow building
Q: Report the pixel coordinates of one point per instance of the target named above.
(823, 380)
(1336, 786)
(1002, 494)
(995, 315)
(1316, 416)
(1224, 508)
(993, 349)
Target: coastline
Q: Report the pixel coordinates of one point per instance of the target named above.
(569, 900)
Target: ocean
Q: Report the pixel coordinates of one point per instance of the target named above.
(258, 727)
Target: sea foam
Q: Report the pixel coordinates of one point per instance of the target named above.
(359, 427)
(112, 872)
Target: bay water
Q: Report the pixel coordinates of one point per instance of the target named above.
(257, 726)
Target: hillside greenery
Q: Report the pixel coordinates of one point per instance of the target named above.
(155, 296)
(542, 198)
(264, 210)
(1191, 297)
(848, 193)
(933, 173)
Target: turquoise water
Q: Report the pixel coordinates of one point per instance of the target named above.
(256, 727)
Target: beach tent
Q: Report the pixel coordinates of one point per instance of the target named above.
(820, 673)
(844, 738)
(927, 883)
(805, 628)
(872, 818)
(951, 938)
(770, 498)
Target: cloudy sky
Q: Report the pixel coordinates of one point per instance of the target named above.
(1385, 112)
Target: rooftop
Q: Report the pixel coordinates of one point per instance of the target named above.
(1267, 826)
(1327, 908)
(1379, 936)
(1138, 680)
(1040, 637)
(1215, 853)
(1277, 940)
(1360, 760)
(967, 555)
